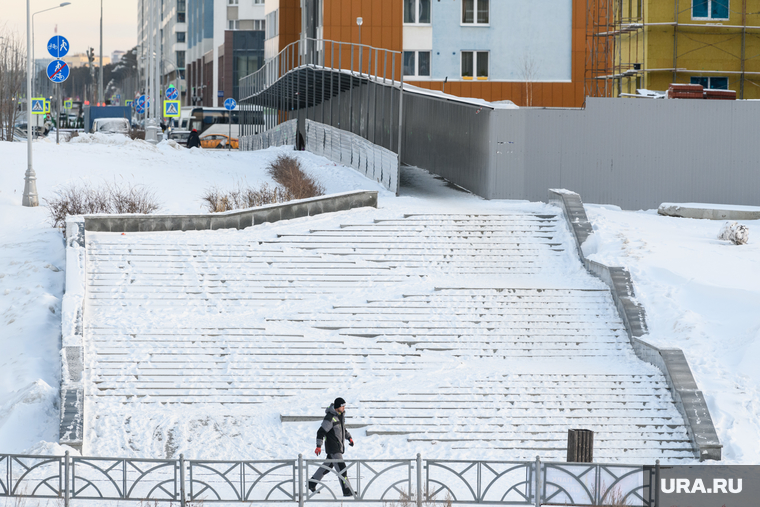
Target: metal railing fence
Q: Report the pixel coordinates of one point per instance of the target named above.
(415, 481)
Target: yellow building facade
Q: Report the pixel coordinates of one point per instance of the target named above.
(649, 44)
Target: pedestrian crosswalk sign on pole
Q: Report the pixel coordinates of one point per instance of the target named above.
(47, 106)
(67, 104)
(128, 102)
(171, 108)
(38, 106)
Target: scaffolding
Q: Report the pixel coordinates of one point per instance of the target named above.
(611, 59)
(607, 22)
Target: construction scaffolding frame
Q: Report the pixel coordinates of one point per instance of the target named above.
(607, 22)
(609, 62)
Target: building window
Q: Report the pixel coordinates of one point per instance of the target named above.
(709, 9)
(259, 24)
(180, 11)
(272, 28)
(711, 83)
(475, 64)
(476, 12)
(180, 59)
(417, 63)
(232, 2)
(180, 17)
(234, 24)
(257, 2)
(417, 12)
(180, 36)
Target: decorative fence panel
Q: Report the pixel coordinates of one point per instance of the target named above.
(372, 481)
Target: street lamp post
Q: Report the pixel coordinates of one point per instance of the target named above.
(30, 179)
(360, 22)
(101, 96)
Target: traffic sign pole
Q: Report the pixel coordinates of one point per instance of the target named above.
(229, 104)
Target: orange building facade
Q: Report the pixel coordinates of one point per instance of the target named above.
(531, 54)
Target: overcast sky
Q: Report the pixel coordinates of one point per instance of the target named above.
(78, 22)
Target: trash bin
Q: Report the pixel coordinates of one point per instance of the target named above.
(580, 446)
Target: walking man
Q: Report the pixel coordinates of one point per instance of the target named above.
(333, 429)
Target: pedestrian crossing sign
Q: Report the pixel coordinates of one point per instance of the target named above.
(67, 104)
(128, 103)
(47, 106)
(171, 108)
(38, 106)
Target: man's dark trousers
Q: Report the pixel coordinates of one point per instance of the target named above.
(340, 466)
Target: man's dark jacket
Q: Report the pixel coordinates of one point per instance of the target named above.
(334, 430)
(193, 140)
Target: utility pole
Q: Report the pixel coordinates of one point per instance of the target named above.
(101, 95)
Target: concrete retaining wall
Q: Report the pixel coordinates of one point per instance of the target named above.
(670, 361)
(71, 428)
(231, 219)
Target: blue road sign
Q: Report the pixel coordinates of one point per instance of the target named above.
(58, 71)
(38, 106)
(143, 101)
(139, 109)
(118, 96)
(230, 104)
(58, 46)
(172, 93)
(220, 93)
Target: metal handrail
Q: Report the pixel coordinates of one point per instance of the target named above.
(370, 481)
(308, 52)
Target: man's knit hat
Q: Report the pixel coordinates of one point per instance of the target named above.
(339, 402)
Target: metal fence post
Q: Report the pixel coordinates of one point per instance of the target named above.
(538, 482)
(657, 483)
(66, 489)
(182, 480)
(419, 480)
(300, 480)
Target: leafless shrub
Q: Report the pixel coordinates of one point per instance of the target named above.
(241, 197)
(111, 198)
(428, 500)
(12, 79)
(74, 134)
(287, 171)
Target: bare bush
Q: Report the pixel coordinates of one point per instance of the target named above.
(137, 134)
(12, 80)
(287, 171)
(111, 199)
(428, 500)
(242, 197)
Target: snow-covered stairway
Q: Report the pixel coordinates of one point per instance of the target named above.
(472, 332)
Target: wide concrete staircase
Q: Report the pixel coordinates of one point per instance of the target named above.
(471, 333)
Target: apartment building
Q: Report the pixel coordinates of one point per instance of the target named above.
(225, 41)
(171, 22)
(649, 44)
(531, 52)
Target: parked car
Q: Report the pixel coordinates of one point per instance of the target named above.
(110, 126)
(217, 141)
(180, 136)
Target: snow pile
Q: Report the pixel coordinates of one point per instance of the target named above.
(734, 232)
(110, 139)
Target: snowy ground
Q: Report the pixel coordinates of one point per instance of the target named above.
(701, 294)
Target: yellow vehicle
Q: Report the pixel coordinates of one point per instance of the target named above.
(218, 141)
